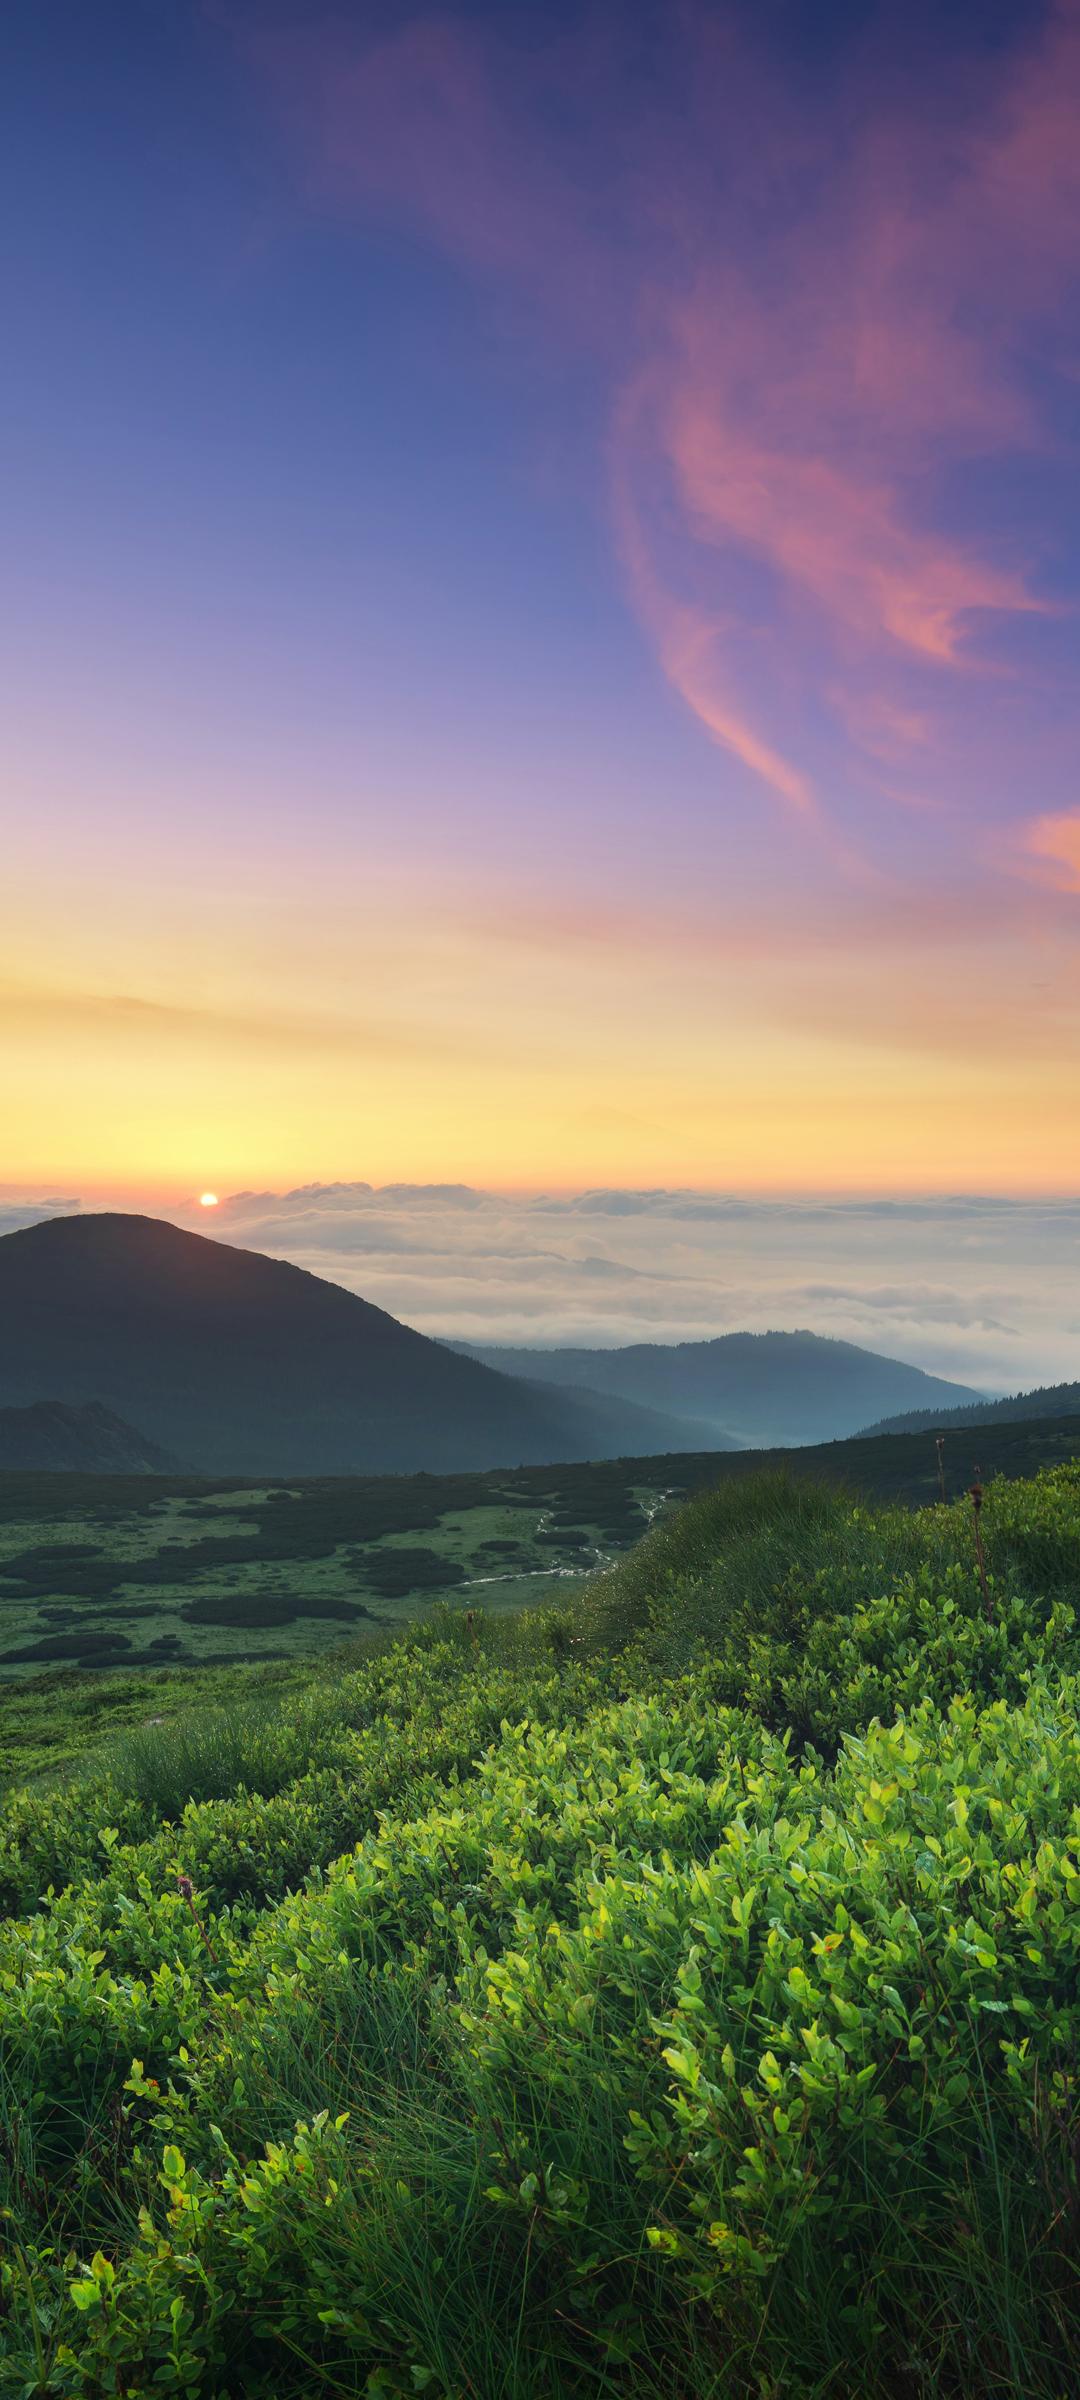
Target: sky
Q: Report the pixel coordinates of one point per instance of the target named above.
(540, 575)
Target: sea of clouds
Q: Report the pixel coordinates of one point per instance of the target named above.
(985, 1290)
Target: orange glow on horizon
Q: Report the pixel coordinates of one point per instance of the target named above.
(525, 1058)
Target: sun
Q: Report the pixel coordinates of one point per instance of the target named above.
(208, 1199)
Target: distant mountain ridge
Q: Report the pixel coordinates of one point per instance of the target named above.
(758, 1389)
(237, 1363)
(51, 1437)
(1047, 1400)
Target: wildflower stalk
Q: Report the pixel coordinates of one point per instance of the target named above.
(976, 1497)
(187, 1892)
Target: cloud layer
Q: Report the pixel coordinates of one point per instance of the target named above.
(966, 1287)
(978, 1288)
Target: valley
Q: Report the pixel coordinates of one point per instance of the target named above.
(125, 1595)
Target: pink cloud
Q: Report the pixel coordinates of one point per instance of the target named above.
(836, 537)
(813, 397)
(690, 642)
(817, 321)
(1053, 842)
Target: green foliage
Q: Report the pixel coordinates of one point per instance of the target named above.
(676, 1994)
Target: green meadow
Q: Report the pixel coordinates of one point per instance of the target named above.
(147, 1581)
(126, 1597)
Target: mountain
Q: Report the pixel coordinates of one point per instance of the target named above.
(757, 1388)
(236, 1363)
(1050, 1400)
(50, 1436)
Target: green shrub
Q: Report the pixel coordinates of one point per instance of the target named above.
(268, 1608)
(675, 1995)
(88, 1645)
(395, 1572)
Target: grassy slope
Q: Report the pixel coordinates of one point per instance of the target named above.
(630, 2004)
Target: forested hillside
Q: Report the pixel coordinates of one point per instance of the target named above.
(1049, 1400)
(759, 1390)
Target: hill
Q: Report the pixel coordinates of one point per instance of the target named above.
(50, 1436)
(238, 1363)
(758, 1389)
(668, 1996)
(1049, 1400)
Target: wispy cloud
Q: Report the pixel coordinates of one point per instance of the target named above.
(830, 313)
(813, 398)
(135, 1019)
(1053, 842)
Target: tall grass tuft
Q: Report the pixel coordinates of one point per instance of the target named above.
(258, 1745)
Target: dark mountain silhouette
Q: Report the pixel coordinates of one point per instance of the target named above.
(89, 1439)
(1049, 1400)
(757, 1388)
(237, 1363)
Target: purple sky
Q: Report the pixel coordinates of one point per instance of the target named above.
(541, 556)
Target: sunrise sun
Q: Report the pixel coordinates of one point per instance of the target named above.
(208, 1199)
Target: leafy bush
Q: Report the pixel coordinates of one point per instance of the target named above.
(268, 1608)
(394, 1572)
(88, 1646)
(676, 1995)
